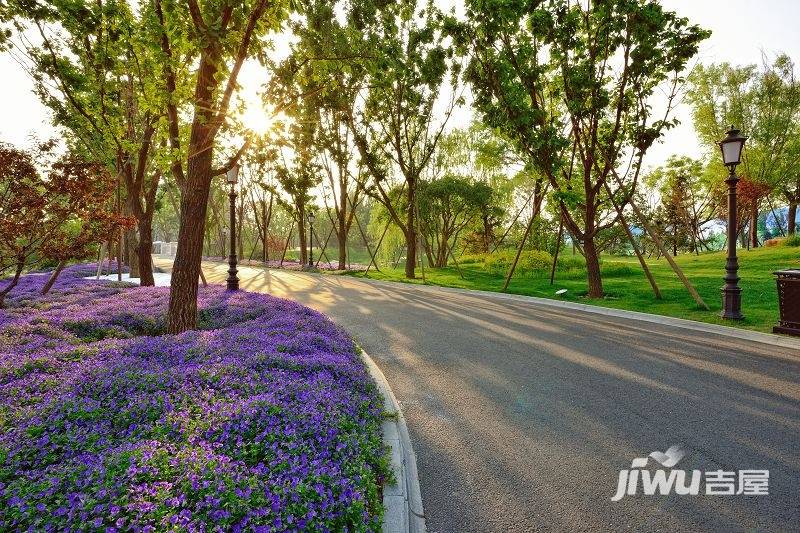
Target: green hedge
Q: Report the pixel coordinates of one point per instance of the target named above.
(530, 262)
(792, 240)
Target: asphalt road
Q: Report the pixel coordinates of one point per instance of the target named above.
(522, 415)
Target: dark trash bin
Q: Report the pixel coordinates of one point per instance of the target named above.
(788, 301)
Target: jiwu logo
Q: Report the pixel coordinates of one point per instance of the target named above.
(659, 481)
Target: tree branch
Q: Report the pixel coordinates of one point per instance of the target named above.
(232, 161)
(172, 110)
(197, 17)
(241, 54)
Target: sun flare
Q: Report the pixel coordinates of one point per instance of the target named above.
(257, 119)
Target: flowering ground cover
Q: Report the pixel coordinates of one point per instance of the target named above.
(265, 419)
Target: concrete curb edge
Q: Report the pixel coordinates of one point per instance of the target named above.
(694, 325)
(403, 501)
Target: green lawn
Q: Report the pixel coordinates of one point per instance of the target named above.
(626, 286)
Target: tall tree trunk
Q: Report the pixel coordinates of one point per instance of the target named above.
(341, 227)
(754, 227)
(265, 219)
(130, 243)
(265, 250)
(341, 215)
(301, 232)
(792, 218)
(488, 235)
(195, 184)
(411, 230)
(182, 314)
(593, 269)
(558, 248)
(341, 237)
(144, 251)
(443, 252)
(132, 253)
(240, 226)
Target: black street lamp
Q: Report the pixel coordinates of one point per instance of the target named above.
(232, 178)
(731, 147)
(311, 217)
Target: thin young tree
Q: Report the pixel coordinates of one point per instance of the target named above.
(687, 196)
(410, 95)
(325, 64)
(447, 206)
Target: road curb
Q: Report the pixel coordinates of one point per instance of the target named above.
(403, 500)
(694, 325)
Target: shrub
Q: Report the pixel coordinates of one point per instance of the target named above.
(616, 269)
(571, 262)
(497, 261)
(792, 240)
(531, 262)
(472, 259)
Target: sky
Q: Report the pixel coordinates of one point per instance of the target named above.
(741, 31)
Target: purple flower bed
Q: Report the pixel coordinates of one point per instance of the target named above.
(265, 419)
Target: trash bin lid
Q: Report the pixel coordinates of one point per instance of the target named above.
(789, 272)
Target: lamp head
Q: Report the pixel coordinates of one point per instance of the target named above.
(232, 176)
(731, 147)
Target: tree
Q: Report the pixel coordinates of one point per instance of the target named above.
(326, 66)
(572, 86)
(261, 176)
(751, 193)
(379, 70)
(21, 211)
(398, 128)
(96, 69)
(479, 153)
(215, 34)
(789, 188)
(57, 216)
(335, 153)
(765, 104)
(687, 199)
(447, 206)
(297, 171)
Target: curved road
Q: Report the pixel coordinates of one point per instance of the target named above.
(522, 415)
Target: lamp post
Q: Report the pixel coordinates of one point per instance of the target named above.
(311, 217)
(232, 178)
(731, 147)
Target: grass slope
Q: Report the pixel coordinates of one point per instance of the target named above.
(626, 286)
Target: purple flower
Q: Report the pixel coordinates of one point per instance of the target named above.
(263, 419)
